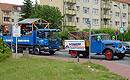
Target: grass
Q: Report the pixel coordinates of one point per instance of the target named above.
(50, 69)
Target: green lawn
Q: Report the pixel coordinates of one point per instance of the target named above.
(50, 69)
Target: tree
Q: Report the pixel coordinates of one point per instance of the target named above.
(27, 9)
(49, 13)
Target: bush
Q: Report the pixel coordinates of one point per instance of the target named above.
(7, 52)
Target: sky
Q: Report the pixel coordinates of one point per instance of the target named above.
(18, 2)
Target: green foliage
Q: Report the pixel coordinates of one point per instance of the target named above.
(27, 9)
(64, 34)
(111, 32)
(7, 52)
(49, 13)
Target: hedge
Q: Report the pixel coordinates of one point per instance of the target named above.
(111, 32)
(7, 52)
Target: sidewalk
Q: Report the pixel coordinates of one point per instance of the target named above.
(113, 67)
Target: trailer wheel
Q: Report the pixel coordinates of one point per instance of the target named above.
(121, 56)
(13, 49)
(73, 53)
(109, 55)
(51, 52)
(37, 50)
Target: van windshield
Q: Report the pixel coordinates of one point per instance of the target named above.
(105, 37)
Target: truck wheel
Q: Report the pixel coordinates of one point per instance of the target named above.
(109, 55)
(73, 53)
(13, 49)
(37, 50)
(51, 52)
(121, 56)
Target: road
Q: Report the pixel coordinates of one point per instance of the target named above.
(63, 53)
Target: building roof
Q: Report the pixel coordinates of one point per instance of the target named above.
(9, 7)
(125, 1)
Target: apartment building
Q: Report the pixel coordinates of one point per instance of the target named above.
(101, 13)
(9, 14)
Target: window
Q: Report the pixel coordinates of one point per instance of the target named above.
(85, 20)
(124, 24)
(95, 11)
(12, 13)
(85, 0)
(95, 1)
(94, 38)
(85, 10)
(18, 8)
(123, 6)
(69, 7)
(12, 20)
(19, 14)
(124, 15)
(77, 19)
(6, 18)
(77, 8)
(7, 13)
(117, 14)
(69, 19)
(117, 23)
(95, 21)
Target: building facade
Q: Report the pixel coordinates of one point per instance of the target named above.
(9, 14)
(101, 13)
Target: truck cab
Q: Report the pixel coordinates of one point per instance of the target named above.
(102, 43)
(47, 40)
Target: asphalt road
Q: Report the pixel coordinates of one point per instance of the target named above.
(63, 53)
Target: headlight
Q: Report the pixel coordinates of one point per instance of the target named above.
(120, 45)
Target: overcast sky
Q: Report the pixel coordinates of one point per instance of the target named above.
(19, 2)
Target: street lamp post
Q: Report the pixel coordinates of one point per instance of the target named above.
(121, 20)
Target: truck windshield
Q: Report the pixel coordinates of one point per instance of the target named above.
(105, 37)
(52, 35)
(40, 34)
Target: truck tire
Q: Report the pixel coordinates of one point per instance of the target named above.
(109, 55)
(120, 56)
(51, 52)
(13, 49)
(37, 50)
(73, 53)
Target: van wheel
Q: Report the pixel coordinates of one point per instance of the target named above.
(109, 55)
(121, 56)
(73, 53)
(51, 52)
(37, 50)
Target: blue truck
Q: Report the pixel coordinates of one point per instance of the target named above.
(46, 40)
(36, 40)
(104, 45)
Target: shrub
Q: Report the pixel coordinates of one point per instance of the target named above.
(7, 52)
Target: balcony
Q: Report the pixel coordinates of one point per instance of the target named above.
(106, 16)
(72, 24)
(105, 25)
(106, 6)
(6, 22)
(70, 12)
(70, 1)
(6, 15)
